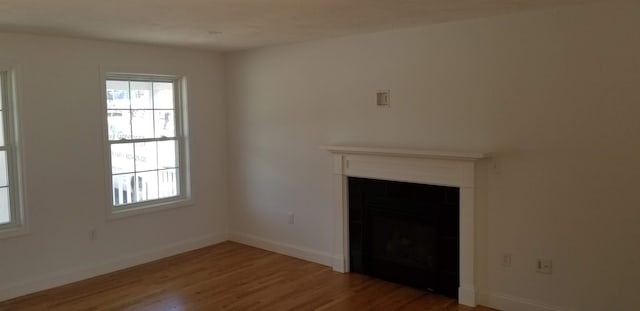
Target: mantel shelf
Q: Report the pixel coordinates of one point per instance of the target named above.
(430, 154)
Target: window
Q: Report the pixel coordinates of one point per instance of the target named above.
(11, 211)
(146, 142)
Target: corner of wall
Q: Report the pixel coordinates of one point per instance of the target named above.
(283, 248)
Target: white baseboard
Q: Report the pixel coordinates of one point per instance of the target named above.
(339, 264)
(119, 263)
(467, 295)
(512, 303)
(283, 248)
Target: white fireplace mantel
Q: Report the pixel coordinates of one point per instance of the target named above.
(445, 168)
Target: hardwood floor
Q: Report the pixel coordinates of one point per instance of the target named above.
(231, 276)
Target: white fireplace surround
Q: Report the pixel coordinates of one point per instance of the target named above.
(456, 169)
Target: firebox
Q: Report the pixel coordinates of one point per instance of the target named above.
(406, 233)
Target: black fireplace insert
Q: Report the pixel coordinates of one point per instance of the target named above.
(405, 233)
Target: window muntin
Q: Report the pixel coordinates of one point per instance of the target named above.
(145, 140)
(11, 212)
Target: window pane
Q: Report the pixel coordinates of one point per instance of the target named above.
(146, 156)
(147, 185)
(123, 189)
(167, 183)
(142, 123)
(121, 158)
(141, 95)
(117, 94)
(3, 169)
(119, 124)
(163, 95)
(1, 128)
(167, 154)
(5, 213)
(165, 124)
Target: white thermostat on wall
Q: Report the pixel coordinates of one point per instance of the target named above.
(383, 98)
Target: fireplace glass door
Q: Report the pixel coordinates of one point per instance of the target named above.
(405, 233)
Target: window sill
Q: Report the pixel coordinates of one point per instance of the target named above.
(115, 214)
(12, 232)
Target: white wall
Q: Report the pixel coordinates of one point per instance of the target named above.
(59, 89)
(552, 94)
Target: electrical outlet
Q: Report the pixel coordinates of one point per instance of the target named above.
(93, 235)
(506, 260)
(544, 266)
(291, 218)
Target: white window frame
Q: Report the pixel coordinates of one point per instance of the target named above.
(10, 110)
(184, 197)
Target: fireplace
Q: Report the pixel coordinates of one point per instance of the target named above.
(437, 168)
(405, 233)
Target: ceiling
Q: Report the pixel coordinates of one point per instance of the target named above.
(241, 24)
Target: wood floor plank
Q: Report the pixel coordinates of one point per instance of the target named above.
(231, 276)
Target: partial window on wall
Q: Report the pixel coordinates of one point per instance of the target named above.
(146, 142)
(12, 219)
